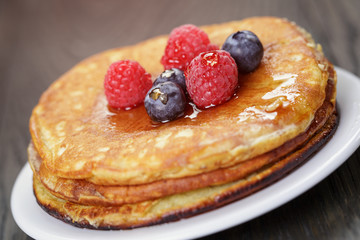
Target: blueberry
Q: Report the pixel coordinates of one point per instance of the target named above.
(247, 50)
(165, 102)
(173, 75)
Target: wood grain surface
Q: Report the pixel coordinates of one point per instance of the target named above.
(40, 40)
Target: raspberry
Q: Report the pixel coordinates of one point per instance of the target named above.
(211, 78)
(185, 43)
(126, 84)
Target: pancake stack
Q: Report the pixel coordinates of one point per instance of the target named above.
(100, 168)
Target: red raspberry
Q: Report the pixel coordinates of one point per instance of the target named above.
(211, 78)
(185, 43)
(126, 84)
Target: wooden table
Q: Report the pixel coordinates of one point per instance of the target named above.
(40, 40)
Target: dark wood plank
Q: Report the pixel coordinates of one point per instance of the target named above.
(40, 40)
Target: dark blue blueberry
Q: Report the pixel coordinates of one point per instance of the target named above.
(165, 102)
(173, 75)
(247, 50)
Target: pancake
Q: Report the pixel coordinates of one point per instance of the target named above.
(178, 206)
(83, 192)
(78, 137)
(97, 167)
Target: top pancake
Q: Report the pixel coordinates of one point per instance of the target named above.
(78, 136)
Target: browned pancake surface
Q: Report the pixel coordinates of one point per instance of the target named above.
(85, 192)
(177, 206)
(99, 168)
(77, 136)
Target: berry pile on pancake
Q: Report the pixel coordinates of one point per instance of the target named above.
(99, 167)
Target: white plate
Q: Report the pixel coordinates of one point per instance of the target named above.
(39, 225)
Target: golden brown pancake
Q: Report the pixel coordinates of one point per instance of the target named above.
(83, 192)
(176, 206)
(102, 168)
(77, 136)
